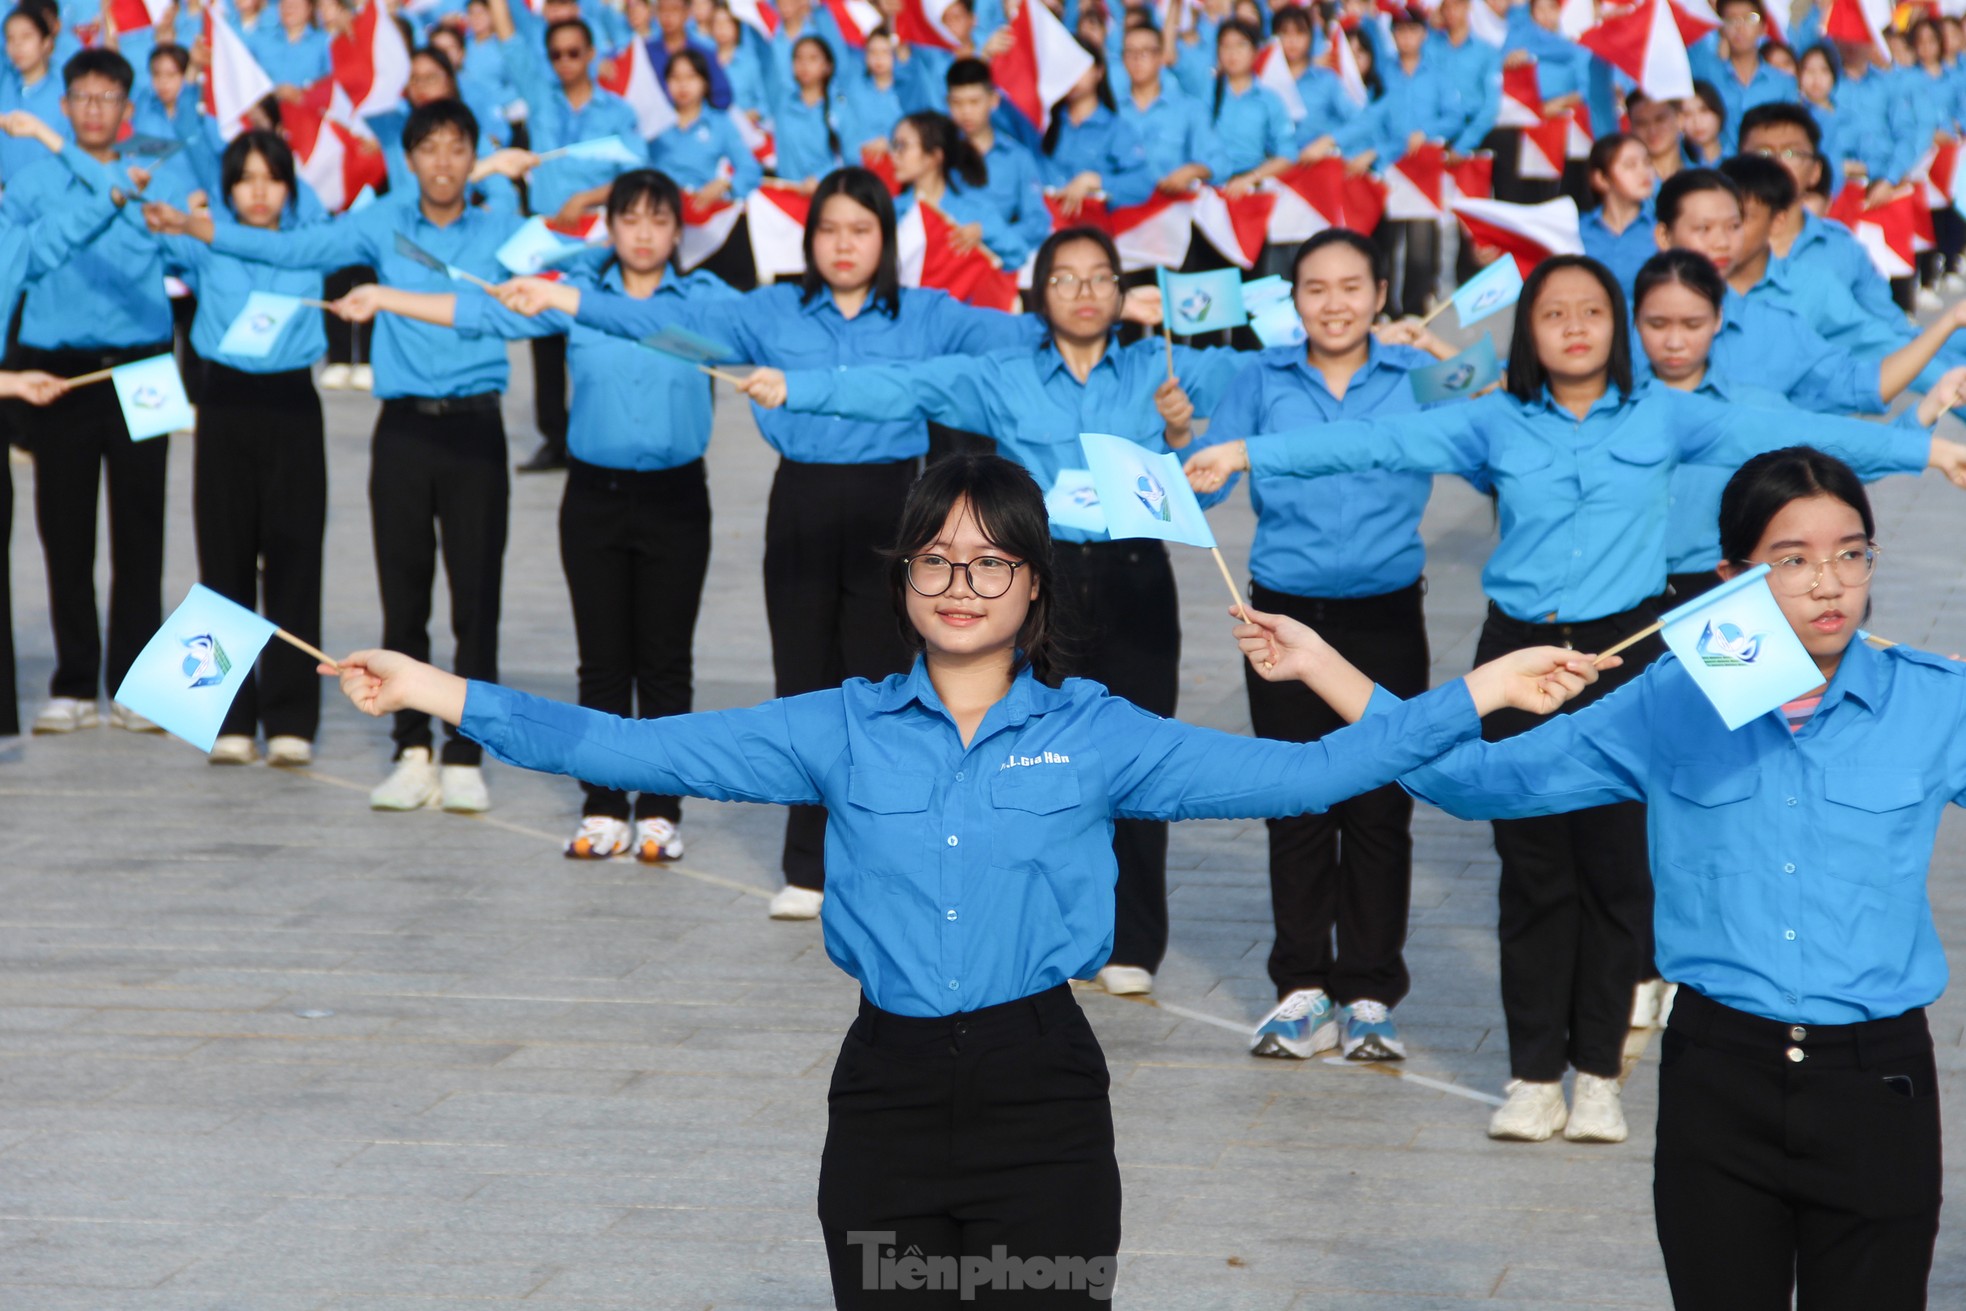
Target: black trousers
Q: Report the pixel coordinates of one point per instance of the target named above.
(1817, 1177)
(430, 474)
(1126, 634)
(9, 693)
(827, 600)
(549, 389)
(1349, 870)
(978, 1135)
(348, 343)
(1576, 889)
(635, 547)
(73, 441)
(260, 510)
(1412, 250)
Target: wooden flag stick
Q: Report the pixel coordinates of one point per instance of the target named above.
(1168, 336)
(314, 651)
(87, 378)
(1881, 643)
(1234, 591)
(1436, 312)
(730, 378)
(1633, 640)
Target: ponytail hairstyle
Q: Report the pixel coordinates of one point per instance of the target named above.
(1527, 376)
(1248, 33)
(1604, 153)
(960, 159)
(825, 89)
(1009, 508)
(1679, 267)
(1761, 487)
(1103, 89)
(865, 189)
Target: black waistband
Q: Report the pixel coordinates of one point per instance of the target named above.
(1026, 1017)
(65, 362)
(436, 407)
(223, 383)
(790, 468)
(1712, 1024)
(1583, 634)
(601, 476)
(1405, 600)
(1125, 546)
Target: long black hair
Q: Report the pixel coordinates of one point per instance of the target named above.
(825, 90)
(1679, 267)
(1248, 33)
(1009, 509)
(269, 146)
(1527, 376)
(1102, 88)
(866, 190)
(1761, 487)
(960, 159)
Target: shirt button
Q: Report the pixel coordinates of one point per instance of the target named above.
(1789, 934)
(1789, 997)
(1796, 1054)
(959, 778)
(954, 984)
(1791, 799)
(952, 842)
(952, 915)
(1786, 869)
(1798, 1033)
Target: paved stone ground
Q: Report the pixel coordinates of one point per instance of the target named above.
(569, 1088)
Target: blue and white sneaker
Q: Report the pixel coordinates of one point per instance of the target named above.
(1370, 1034)
(1303, 1024)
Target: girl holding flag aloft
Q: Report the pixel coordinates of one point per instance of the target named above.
(1343, 554)
(1798, 1144)
(260, 497)
(635, 518)
(969, 1116)
(1035, 403)
(1580, 458)
(839, 487)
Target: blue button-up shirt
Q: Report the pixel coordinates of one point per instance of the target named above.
(29, 250)
(707, 149)
(774, 326)
(1028, 400)
(1173, 131)
(618, 385)
(1016, 190)
(109, 292)
(869, 113)
(43, 100)
(552, 122)
(800, 134)
(1624, 253)
(959, 877)
(1250, 127)
(1582, 501)
(223, 283)
(1326, 106)
(1826, 249)
(288, 62)
(410, 358)
(1105, 144)
(1762, 341)
(1767, 84)
(1789, 868)
(1474, 69)
(1345, 534)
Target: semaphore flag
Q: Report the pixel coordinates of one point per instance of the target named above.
(186, 677)
(1739, 650)
(1143, 493)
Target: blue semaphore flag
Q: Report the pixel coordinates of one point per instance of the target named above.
(152, 397)
(1143, 493)
(1457, 378)
(186, 676)
(1202, 302)
(1494, 288)
(254, 332)
(1739, 649)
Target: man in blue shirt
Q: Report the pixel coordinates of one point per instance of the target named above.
(439, 451)
(102, 307)
(1734, 65)
(1015, 187)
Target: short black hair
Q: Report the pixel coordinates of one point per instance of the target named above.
(38, 16)
(98, 62)
(1769, 481)
(1688, 182)
(1047, 256)
(865, 189)
(1783, 112)
(1527, 376)
(968, 71)
(1761, 180)
(172, 51)
(269, 146)
(1369, 250)
(436, 115)
(577, 24)
(1682, 268)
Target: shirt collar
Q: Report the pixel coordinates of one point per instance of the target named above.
(1612, 399)
(1051, 363)
(1027, 696)
(1292, 359)
(1859, 677)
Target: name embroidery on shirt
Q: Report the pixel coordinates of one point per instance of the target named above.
(1042, 758)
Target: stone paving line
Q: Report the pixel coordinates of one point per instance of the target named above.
(261, 1050)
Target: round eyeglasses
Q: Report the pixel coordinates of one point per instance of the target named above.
(988, 576)
(1798, 575)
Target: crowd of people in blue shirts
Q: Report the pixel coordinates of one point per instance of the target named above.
(1707, 290)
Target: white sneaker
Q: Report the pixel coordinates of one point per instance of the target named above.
(412, 785)
(598, 838)
(66, 714)
(335, 377)
(1926, 300)
(289, 752)
(1952, 283)
(233, 749)
(1126, 980)
(1531, 1114)
(1597, 1113)
(1302, 1025)
(463, 789)
(121, 716)
(1645, 1003)
(796, 903)
(657, 840)
(361, 378)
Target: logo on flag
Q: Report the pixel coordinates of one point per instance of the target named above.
(1723, 646)
(205, 661)
(1151, 494)
(1143, 492)
(253, 333)
(1202, 302)
(152, 397)
(1459, 377)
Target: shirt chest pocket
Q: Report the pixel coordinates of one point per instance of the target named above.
(1520, 462)
(1874, 817)
(882, 826)
(1710, 833)
(1038, 812)
(1642, 462)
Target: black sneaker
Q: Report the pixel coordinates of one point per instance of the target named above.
(550, 457)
